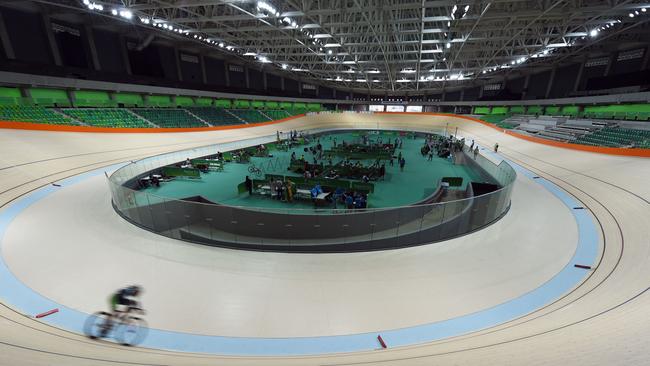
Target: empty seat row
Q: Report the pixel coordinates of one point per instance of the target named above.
(249, 115)
(33, 114)
(617, 137)
(107, 117)
(169, 118)
(632, 112)
(215, 116)
(277, 114)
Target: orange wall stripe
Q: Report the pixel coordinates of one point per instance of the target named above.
(67, 128)
(645, 153)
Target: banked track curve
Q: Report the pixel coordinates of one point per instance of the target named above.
(592, 305)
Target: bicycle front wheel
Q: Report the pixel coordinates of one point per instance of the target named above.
(97, 326)
(132, 331)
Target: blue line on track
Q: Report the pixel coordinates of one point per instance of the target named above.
(24, 299)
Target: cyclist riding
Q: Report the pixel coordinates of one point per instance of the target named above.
(125, 297)
(120, 323)
(122, 302)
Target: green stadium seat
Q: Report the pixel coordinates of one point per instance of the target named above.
(215, 116)
(494, 118)
(33, 114)
(499, 110)
(170, 118)
(12, 96)
(158, 101)
(223, 103)
(314, 107)
(241, 104)
(128, 100)
(92, 98)
(517, 109)
(249, 115)
(570, 110)
(552, 111)
(49, 97)
(203, 102)
(107, 117)
(481, 110)
(616, 137)
(181, 101)
(277, 114)
(272, 105)
(257, 104)
(535, 109)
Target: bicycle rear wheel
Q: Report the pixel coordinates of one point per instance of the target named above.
(96, 326)
(132, 331)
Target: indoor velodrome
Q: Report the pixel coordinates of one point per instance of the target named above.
(367, 182)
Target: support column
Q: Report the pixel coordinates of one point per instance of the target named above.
(462, 95)
(550, 82)
(56, 55)
(282, 83)
(6, 41)
(125, 55)
(576, 85)
(247, 79)
(264, 80)
(204, 75)
(612, 59)
(177, 58)
(526, 84)
(227, 72)
(646, 57)
(93, 48)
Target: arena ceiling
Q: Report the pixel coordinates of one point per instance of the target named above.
(391, 45)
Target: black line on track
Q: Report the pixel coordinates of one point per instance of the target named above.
(177, 354)
(513, 322)
(104, 152)
(500, 328)
(582, 174)
(79, 357)
(498, 343)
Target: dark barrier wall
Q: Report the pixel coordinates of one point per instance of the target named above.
(311, 230)
(255, 79)
(190, 65)
(237, 76)
(71, 40)
(27, 35)
(215, 70)
(564, 81)
(537, 85)
(325, 92)
(110, 52)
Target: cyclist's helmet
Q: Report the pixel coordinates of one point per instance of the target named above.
(134, 290)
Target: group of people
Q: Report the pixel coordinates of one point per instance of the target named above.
(280, 190)
(401, 161)
(351, 200)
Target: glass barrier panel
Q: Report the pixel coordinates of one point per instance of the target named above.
(210, 224)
